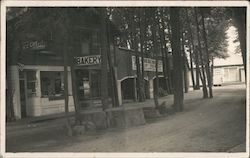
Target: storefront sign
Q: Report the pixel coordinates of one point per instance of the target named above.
(34, 45)
(88, 60)
(149, 64)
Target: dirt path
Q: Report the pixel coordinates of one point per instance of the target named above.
(216, 124)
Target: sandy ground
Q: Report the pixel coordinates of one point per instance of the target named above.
(216, 125)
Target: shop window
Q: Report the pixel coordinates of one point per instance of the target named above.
(31, 83)
(88, 84)
(52, 85)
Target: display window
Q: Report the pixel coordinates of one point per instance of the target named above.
(31, 83)
(88, 84)
(52, 84)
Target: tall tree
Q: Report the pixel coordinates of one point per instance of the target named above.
(104, 50)
(155, 45)
(135, 42)
(202, 75)
(177, 59)
(209, 80)
(192, 53)
(164, 50)
(143, 29)
(114, 92)
(185, 63)
(239, 16)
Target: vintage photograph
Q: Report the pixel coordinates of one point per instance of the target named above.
(125, 79)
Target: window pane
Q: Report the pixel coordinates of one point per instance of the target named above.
(31, 88)
(58, 87)
(51, 83)
(31, 75)
(95, 84)
(31, 83)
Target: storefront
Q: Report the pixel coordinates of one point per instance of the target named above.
(36, 77)
(41, 87)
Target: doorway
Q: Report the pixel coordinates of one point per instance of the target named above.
(128, 89)
(22, 94)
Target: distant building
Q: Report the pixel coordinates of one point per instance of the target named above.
(229, 70)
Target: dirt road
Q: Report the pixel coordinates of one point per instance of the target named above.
(216, 125)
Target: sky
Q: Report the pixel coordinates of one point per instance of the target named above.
(233, 58)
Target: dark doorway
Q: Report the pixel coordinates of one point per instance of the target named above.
(128, 89)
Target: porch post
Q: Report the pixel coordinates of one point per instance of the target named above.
(135, 89)
(38, 78)
(151, 88)
(119, 92)
(15, 91)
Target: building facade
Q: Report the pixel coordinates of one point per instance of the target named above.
(35, 68)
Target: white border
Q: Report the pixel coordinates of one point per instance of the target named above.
(248, 80)
(124, 3)
(2, 79)
(5, 4)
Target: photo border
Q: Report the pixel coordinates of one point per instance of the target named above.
(148, 3)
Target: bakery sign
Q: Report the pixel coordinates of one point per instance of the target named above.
(88, 60)
(33, 45)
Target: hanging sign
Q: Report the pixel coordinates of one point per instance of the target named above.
(88, 60)
(33, 45)
(149, 64)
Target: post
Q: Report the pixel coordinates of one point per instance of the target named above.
(15, 91)
(104, 69)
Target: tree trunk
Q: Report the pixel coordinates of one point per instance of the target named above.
(164, 55)
(185, 65)
(64, 42)
(114, 91)
(137, 58)
(207, 57)
(156, 85)
(191, 49)
(169, 71)
(203, 77)
(164, 64)
(212, 71)
(142, 26)
(197, 72)
(177, 59)
(64, 38)
(240, 21)
(191, 66)
(104, 50)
